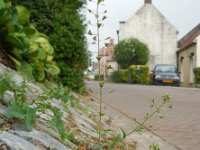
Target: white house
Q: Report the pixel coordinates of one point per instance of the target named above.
(152, 28)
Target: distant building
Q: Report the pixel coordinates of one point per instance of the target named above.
(189, 55)
(150, 27)
(108, 59)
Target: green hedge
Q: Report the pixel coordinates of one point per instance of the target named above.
(96, 78)
(139, 74)
(120, 76)
(136, 74)
(197, 75)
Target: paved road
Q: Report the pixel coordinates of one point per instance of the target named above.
(181, 125)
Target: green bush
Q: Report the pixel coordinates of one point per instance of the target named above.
(197, 75)
(96, 78)
(132, 74)
(131, 52)
(139, 74)
(22, 43)
(120, 76)
(65, 26)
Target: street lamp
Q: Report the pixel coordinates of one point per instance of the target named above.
(117, 36)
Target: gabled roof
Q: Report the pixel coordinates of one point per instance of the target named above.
(189, 38)
(151, 10)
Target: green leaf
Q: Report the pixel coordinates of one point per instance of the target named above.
(4, 16)
(24, 14)
(111, 91)
(101, 84)
(99, 25)
(170, 106)
(14, 41)
(92, 99)
(25, 40)
(99, 1)
(104, 17)
(98, 58)
(39, 72)
(139, 129)
(30, 117)
(56, 122)
(18, 63)
(15, 109)
(101, 114)
(22, 110)
(154, 147)
(2, 4)
(17, 54)
(123, 133)
(108, 38)
(10, 27)
(33, 47)
(109, 67)
(89, 10)
(118, 139)
(8, 15)
(26, 69)
(49, 58)
(52, 69)
(90, 32)
(94, 38)
(5, 83)
(30, 30)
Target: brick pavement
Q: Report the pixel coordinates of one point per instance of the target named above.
(181, 126)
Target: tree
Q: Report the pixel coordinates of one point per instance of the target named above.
(131, 52)
(62, 22)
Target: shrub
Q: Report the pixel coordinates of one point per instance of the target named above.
(131, 52)
(96, 78)
(22, 43)
(132, 74)
(139, 74)
(120, 76)
(64, 24)
(197, 75)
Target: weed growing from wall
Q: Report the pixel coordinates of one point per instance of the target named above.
(24, 104)
(156, 107)
(100, 17)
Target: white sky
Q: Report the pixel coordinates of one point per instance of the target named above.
(183, 14)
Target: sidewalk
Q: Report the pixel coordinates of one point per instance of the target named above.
(143, 140)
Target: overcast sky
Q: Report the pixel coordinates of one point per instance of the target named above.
(183, 14)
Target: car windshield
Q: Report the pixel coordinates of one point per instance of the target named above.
(166, 69)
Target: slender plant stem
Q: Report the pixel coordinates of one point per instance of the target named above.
(146, 119)
(100, 87)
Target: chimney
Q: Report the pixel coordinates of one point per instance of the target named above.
(147, 1)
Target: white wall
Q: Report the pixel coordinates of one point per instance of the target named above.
(151, 27)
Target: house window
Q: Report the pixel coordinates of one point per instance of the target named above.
(191, 67)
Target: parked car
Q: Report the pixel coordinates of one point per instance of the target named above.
(91, 75)
(164, 74)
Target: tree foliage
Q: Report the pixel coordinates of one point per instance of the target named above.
(131, 52)
(63, 23)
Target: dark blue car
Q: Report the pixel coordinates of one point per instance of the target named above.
(164, 74)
